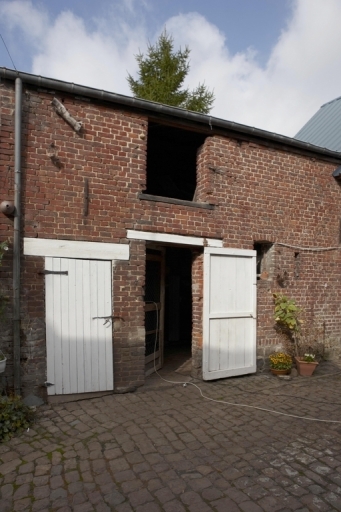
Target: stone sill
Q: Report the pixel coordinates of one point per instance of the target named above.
(181, 202)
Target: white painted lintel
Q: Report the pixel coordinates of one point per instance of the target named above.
(75, 249)
(173, 239)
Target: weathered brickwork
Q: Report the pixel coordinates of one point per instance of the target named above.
(278, 197)
(197, 305)
(129, 334)
(260, 193)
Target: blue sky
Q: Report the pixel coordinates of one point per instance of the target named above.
(271, 63)
(246, 23)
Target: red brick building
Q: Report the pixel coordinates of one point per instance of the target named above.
(148, 226)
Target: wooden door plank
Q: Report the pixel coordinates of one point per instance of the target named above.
(80, 325)
(87, 326)
(103, 325)
(227, 343)
(213, 349)
(72, 315)
(65, 325)
(50, 341)
(94, 312)
(101, 328)
(107, 278)
(57, 328)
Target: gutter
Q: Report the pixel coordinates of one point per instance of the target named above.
(150, 107)
(17, 236)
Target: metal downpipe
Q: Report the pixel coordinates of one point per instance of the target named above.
(17, 236)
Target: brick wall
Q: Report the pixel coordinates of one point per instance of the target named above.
(260, 193)
(129, 335)
(276, 196)
(197, 308)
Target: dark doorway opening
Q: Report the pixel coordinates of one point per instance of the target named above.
(178, 300)
(174, 316)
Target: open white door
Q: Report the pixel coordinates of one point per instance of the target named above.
(229, 330)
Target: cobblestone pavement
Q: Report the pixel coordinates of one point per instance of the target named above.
(165, 448)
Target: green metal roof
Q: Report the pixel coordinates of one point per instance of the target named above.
(324, 128)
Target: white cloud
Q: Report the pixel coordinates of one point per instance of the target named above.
(22, 13)
(73, 54)
(67, 50)
(303, 71)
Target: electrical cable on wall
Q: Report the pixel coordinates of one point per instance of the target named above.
(308, 248)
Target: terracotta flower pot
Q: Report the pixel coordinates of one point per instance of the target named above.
(304, 368)
(275, 371)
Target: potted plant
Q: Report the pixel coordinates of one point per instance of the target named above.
(306, 365)
(306, 338)
(288, 318)
(3, 360)
(280, 363)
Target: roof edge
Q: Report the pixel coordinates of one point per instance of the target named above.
(331, 101)
(161, 109)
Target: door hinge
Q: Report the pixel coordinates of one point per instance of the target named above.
(58, 272)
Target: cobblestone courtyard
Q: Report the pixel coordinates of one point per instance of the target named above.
(165, 448)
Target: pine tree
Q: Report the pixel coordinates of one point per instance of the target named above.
(161, 75)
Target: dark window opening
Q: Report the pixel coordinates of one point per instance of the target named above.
(172, 161)
(264, 259)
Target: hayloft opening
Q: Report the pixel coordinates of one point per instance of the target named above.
(171, 161)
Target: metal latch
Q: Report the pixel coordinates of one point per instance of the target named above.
(106, 319)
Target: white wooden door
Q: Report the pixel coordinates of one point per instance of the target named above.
(78, 338)
(229, 330)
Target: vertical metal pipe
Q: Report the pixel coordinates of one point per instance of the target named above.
(16, 236)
